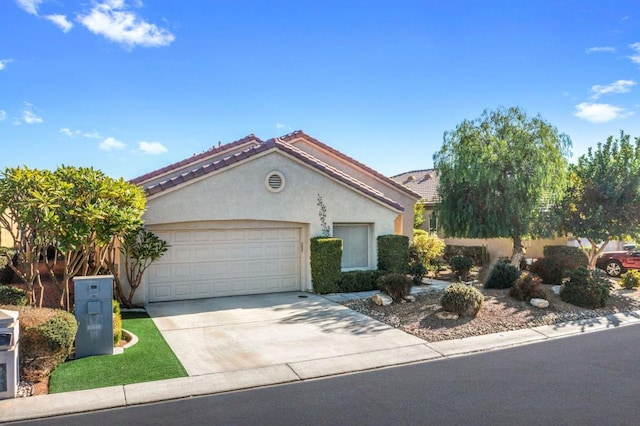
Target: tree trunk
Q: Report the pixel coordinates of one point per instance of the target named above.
(518, 251)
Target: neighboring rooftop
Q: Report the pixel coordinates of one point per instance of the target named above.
(424, 182)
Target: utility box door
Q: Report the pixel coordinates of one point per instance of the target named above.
(94, 313)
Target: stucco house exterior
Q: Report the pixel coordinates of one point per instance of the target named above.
(239, 216)
(425, 182)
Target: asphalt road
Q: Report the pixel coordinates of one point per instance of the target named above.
(591, 379)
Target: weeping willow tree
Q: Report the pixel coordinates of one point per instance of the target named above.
(499, 176)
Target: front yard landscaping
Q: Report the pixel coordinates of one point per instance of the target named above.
(500, 312)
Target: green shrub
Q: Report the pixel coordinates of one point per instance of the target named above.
(397, 286)
(527, 287)
(47, 337)
(353, 281)
(630, 280)
(462, 299)
(417, 268)
(479, 254)
(557, 261)
(7, 275)
(460, 266)
(326, 259)
(10, 295)
(393, 253)
(502, 275)
(117, 323)
(588, 289)
(573, 257)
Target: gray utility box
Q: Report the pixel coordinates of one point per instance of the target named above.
(9, 342)
(94, 313)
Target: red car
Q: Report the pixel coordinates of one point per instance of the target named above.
(615, 263)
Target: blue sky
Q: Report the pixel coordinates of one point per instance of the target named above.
(129, 86)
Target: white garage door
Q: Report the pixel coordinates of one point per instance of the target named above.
(226, 262)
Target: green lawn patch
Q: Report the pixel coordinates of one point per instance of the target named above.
(148, 360)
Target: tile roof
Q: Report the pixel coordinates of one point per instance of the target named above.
(424, 182)
(271, 144)
(195, 158)
(300, 134)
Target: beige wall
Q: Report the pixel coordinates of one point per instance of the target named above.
(237, 196)
(503, 247)
(406, 200)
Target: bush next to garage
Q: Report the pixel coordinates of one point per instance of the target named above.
(353, 281)
(326, 258)
(393, 253)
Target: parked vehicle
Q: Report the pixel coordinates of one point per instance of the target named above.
(616, 263)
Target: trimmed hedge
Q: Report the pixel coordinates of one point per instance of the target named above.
(326, 259)
(393, 253)
(354, 281)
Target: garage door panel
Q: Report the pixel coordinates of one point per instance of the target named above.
(223, 262)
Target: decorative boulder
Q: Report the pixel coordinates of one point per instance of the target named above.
(556, 289)
(444, 315)
(410, 298)
(381, 299)
(539, 303)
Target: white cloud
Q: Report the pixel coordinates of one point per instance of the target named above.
(600, 113)
(635, 58)
(69, 132)
(61, 21)
(152, 148)
(620, 86)
(112, 20)
(280, 126)
(29, 6)
(78, 133)
(3, 115)
(600, 49)
(30, 117)
(3, 63)
(110, 144)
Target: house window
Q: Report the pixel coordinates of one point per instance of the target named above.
(433, 223)
(355, 244)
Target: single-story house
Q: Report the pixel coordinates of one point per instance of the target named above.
(425, 182)
(239, 216)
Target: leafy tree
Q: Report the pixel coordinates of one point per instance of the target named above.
(498, 176)
(79, 212)
(602, 202)
(418, 215)
(140, 248)
(94, 212)
(26, 207)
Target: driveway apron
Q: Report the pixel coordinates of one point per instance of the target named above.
(245, 332)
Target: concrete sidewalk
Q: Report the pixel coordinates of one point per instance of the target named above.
(206, 384)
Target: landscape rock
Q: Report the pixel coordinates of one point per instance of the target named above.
(381, 299)
(444, 315)
(556, 289)
(410, 298)
(539, 303)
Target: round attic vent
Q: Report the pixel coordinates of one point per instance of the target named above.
(274, 181)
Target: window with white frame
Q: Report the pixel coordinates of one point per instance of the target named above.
(355, 244)
(433, 222)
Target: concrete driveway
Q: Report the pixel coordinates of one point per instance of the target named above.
(310, 334)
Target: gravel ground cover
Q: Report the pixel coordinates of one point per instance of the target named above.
(499, 313)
